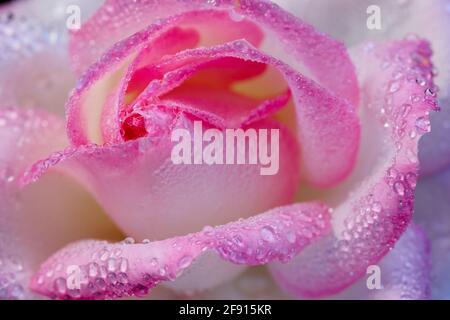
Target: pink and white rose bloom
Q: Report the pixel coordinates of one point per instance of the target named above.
(87, 114)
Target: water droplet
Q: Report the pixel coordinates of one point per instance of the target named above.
(291, 237)
(421, 81)
(406, 109)
(100, 283)
(154, 262)
(376, 207)
(103, 255)
(399, 188)
(129, 240)
(397, 75)
(122, 277)
(423, 125)
(394, 87)
(111, 264)
(146, 241)
(60, 285)
(208, 229)
(414, 98)
(236, 16)
(430, 92)
(117, 252)
(267, 234)
(184, 262)
(123, 265)
(111, 278)
(411, 178)
(93, 269)
(392, 173)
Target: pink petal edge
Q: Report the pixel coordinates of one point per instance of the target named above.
(302, 46)
(369, 223)
(405, 272)
(38, 219)
(328, 126)
(116, 270)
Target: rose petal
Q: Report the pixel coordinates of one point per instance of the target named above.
(325, 162)
(328, 126)
(116, 270)
(432, 212)
(54, 12)
(30, 55)
(318, 56)
(212, 27)
(398, 19)
(404, 271)
(34, 61)
(300, 45)
(37, 220)
(154, 204)
(254, 284)
(84, 109)
(372, 211)
(404, 274)
(198, 277)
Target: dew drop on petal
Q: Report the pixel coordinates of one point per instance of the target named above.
(129, 240)
(376, 207)
(399, 188)
(423, 125)
(184, 262)
(267, 234)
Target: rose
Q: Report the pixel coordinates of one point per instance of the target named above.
(119, 126)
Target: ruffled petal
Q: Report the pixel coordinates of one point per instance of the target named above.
(404, 273)
(328, 126)
(107, 270)
(39, 219)
(432, 212)
(286, 38)
(372, 210)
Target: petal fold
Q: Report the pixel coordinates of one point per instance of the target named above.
(323, 58)
(398, 19)
(371, 213)
(112, 270)
(38, 219)
(405, 272)
(144, 190)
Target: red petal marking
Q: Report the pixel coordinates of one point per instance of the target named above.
(133, 127)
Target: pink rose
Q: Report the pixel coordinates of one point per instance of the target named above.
(340, 201)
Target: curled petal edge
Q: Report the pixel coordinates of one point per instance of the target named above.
(367, 224)
(96, 269)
